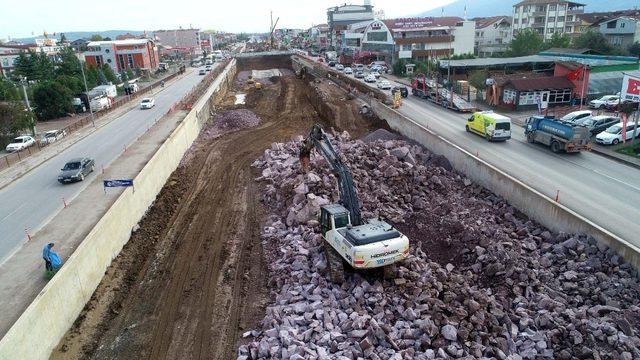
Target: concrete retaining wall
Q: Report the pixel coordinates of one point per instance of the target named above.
(534, 204)
(51, 314)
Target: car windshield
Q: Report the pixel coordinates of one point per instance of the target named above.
(50, 135)
(503, 126)
(615, 129)
(71, 166)
(146, 100)
(588, 122)
(18, 140)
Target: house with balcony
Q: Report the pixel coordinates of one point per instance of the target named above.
(493, 35)
(621, 31)
(546, 17)
(122, 55)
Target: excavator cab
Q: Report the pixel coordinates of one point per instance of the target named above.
(333, 217)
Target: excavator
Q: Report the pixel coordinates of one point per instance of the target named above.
(347, 237)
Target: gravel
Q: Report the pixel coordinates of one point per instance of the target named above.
(482, 281)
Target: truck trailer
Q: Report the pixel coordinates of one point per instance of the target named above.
(557, 134)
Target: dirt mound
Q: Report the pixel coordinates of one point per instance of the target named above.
(381, 134)
(481, 281)
(230, 120)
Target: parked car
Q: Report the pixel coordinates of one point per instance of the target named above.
(147, 103)
(202, 72)
(600, 103)
(576, 115)
(375, 73)
(207, 68)
(384, 85)
(359, 67)
(404, 92)
(331, 63)
(20, 143)
(613, 134)
(348, 70)
(76, 170)
(359, 75)
(52, 136)
(339, 67)
(370, 78)
(612, 104)
(598, 124)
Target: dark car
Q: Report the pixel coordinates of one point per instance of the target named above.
(332, 63)
(404, 92)
(76, 170)
(598, 124)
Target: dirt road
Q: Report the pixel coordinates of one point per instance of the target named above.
(192, 277)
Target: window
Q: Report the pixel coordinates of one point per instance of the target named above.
(377, 36)
(567, 29)
(107, 50)
(121, 61)
(515, 21)
(560, 18)
(611, 24)
(540, 8)
(552, 7)
(109, 61)
(525, 20)
(622, 25)
(508, 96)
(559, 96)
(551, 19)
(99, 60)
(130, 60)
(526, 8)
(569, 17)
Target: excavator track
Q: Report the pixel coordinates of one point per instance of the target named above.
(335, 264)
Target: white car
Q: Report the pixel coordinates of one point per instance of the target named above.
(208, 68)
(147, 103)
(576, 115)
(613, 135)
(370, 78)
(20, 143)
(348, 70)
(601, 103)
(375, 73)
(339, 67)
(53, 136)
(384, 85)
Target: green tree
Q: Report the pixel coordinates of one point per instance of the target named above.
(399, 67)
(525, 42)
(44, 67)
(558, 40)
(593, 40)
(51, 100)
(124, 76)
(130, 74)
(25, 65)
(109, 74)
(478, 79)
(91, 74)
(634, 49)
(8, 91)
(13, 119)
(96, 37)
(68, 64)
(73, 83)
(102, 79)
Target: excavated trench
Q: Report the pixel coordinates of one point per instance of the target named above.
(192, 278)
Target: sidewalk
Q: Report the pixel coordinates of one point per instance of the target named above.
(17, 170)
(22, 275)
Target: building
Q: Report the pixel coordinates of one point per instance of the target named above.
(340, 17)
(546, 17)
(8, 56)
(122, 55)
(79, 44)
(318, 36)
(431, 37)
(621, 31)
(185, 40)
(493, 35)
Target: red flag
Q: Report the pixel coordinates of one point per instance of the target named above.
(633, 87)
(575, 75)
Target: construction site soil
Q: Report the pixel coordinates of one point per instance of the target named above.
(192, 278)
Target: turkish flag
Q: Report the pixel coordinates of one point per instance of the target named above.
(633, 87)
(575, 75)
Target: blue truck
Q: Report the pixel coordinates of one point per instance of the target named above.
(557, 134)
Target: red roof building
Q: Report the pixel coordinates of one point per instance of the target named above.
(122, 55)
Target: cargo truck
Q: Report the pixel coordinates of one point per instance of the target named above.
(557, 134)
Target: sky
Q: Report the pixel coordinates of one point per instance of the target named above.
(227, 15)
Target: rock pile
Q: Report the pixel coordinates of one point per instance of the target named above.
(230, 120)
(482, 281)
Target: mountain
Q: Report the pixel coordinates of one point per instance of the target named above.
(75, 35)
(477, 8)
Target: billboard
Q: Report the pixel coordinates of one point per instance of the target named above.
(630, 88)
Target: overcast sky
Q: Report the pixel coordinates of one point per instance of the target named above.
(25, 18)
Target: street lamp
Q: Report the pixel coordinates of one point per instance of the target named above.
(24, 82)
(86, 89)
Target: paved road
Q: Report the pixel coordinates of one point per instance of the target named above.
(602, 190)
(34, 199)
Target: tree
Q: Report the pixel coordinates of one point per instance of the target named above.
(634, 49)
(63, 38)
(102, 79)
(593, 40)
(91, 74)
(13, 118)
(73, 83)
(25, 65)
(525, 42)
(399, 67)
(96, 37)
(68, 64)
(478, 79)
(130, 74)
(8, 91)
(109, 74)
(44, 67)
(124, 76)
(558, 40)
(51, 100)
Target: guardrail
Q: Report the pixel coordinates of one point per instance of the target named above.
(11, 159)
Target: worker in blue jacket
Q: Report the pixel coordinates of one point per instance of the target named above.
(52, 261)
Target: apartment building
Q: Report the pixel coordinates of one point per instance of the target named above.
(123, 54)
(318, 36)
(8, 56)
(340, 17)
(622, 31)
(547, 17)
(493, 35)
(184, 40)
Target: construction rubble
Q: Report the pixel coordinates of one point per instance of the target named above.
(482, 280)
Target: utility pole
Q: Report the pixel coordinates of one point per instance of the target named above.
(32, 121)
(86, 89)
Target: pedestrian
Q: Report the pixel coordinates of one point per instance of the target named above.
(51, 259)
